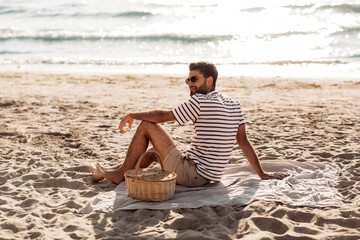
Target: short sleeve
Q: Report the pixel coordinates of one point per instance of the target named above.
(241, 116)
(188, 111)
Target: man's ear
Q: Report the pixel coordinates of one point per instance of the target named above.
(210, 82)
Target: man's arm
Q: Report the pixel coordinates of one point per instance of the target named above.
(156, 116)
(251, 156)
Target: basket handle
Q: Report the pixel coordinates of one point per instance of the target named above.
(142, 157)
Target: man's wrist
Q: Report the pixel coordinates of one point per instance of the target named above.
(132, 115)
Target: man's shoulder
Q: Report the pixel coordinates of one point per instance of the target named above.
(224, 98)
(223, 95)
(214, 97)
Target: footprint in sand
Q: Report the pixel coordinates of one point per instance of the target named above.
(270, 224)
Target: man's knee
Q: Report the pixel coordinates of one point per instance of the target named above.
(145, 126)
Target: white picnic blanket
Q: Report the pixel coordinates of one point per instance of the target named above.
(309, 184)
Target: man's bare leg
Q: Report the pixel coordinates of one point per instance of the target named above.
(95, 174)
(145, 132)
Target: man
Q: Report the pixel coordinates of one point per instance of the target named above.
(218, 123)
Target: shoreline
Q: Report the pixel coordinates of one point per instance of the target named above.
(116, 77)
(291, 70)
(53, 125)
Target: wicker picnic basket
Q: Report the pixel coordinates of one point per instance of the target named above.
(150, 184)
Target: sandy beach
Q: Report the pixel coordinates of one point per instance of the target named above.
(53, 125)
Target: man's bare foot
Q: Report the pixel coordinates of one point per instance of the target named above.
(113, 175)
(96, 175)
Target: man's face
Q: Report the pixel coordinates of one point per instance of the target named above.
(200, 85)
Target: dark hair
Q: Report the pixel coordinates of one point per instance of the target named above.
(207, 69)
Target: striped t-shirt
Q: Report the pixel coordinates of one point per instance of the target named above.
(216, 118)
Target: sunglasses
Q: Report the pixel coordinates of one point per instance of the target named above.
(192, 79)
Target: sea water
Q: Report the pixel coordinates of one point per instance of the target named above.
(244, 37)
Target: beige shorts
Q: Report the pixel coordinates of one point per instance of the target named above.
(185, 169)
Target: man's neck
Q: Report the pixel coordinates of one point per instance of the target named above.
(212, 90)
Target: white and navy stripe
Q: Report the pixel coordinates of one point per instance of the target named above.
(216, 118)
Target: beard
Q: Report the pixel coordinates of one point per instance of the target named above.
(202, 89)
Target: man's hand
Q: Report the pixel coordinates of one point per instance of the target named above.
(267, 176)
(127, 119)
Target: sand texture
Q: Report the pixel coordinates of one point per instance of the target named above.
(53, 125)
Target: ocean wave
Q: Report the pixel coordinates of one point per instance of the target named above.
(120, 62)
(253, 10)
(347, 30)
(292, 62)
(53, 36)
(357, 55)
(6, 11)
(127, 14)
(300, 6)
(48, 13)
(285, 34)
(351, 29)
(12, 52)
(344, 8)
(73, 5)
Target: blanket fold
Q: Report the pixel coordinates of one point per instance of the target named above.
(309, 184)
